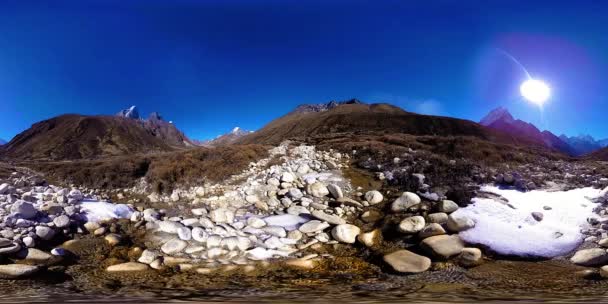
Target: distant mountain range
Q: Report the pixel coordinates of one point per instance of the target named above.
(225, 139)
(72, 136)
(2, 141)
(500, 119)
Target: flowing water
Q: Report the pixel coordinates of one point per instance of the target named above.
(501, 281)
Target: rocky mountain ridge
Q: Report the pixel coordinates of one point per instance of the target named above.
(501, 119)
(73, 136)
(584, 143)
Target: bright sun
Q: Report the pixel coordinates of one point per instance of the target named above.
(535, 91)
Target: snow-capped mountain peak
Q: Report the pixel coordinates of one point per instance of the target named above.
(129, 113)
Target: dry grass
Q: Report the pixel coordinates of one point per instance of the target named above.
(164, 171)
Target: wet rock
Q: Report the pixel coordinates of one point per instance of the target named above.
(15, 271)
(470, 257)
(148, 256)
(405, 201)
(36, 256)
(604, 272)
(447, 206)
(174, 246)
(345, 233)
(457, 223)
(370, 239)
(590, 257)
(10, 248)
(588, 274)
(371, 216)
(332, 219)
(301, 263)
(443, 246)
(335, 191)
(100, 231)
(91, 226)
(373, 197)
(113, 239)
(429, 230)
(412, 224)
(127, 267)
(603, 242)
(407, 262)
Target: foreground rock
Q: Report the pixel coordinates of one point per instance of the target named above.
(405, 201)
(345, 233)
(15, 271)
(405, 261)
(443, 246)
(590, 257)
(470, 257)
(127, 267)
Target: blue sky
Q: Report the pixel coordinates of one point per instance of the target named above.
(212, 65)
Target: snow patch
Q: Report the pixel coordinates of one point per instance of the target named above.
(510, 231)
(97, 211)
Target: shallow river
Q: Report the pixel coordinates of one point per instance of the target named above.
(503, 281)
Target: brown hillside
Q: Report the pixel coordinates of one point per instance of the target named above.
(83, 137)
(373, 119)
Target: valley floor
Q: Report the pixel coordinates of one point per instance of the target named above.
(304, 223)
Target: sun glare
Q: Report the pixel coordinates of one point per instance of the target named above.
(535, 91)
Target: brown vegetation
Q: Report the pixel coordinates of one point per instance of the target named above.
(71, 136)
(163, 171)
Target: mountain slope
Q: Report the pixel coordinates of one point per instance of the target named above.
(357, 119)
(74, 136)
(601, 154)
(166, 131)
(500, 119)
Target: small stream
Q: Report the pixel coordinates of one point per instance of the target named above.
(497, 282)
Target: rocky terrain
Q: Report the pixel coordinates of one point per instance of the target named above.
(291, 208)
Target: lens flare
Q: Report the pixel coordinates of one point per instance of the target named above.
(535, 91)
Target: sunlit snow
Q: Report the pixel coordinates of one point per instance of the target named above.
(97, 211)
(512, 231)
